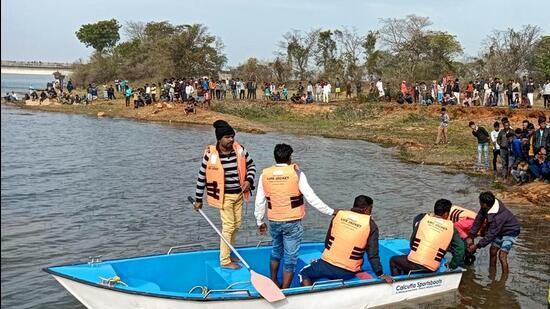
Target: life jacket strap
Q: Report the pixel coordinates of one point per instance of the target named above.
(212, 190)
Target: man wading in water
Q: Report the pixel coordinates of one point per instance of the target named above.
(227, 172)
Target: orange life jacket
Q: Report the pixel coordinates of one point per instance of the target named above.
(347, 240)
(458, 213)
(215, 176)
(431, 241)
(285, 202)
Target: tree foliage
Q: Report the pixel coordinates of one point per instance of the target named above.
(542, 57)
(415, 52)
(157, 50)
(298, 47)
(509, 53)
(325, 55)
(101, 35)
(253, 69)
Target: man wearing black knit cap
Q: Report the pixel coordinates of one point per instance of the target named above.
(227, 172)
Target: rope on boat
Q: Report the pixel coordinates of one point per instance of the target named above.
(236, 283)
(112, 281)
(204, 289)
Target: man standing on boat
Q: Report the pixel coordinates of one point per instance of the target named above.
(432, 235)
(283, 188)
(227, 172)
(349, 235)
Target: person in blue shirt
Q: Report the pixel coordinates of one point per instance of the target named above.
(516, 146)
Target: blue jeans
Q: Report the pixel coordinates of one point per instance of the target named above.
(505, 242)
(483, 148)
(287, 237)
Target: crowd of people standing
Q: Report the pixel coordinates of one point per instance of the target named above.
(516, 93)
(523, 151)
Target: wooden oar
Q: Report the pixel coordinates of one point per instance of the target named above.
(265, 286)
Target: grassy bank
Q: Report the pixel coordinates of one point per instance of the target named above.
(411, 129)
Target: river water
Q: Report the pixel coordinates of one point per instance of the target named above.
(75, 186)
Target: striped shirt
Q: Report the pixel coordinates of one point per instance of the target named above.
(229, 164)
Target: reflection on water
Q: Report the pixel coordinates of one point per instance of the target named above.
(75, 186)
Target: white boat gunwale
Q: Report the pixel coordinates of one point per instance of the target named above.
(250, 295)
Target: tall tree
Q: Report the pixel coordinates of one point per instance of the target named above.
(101, 36)
(372, 55)
(325, 55)
(542, 56)
(416, 52)
(351, 46)
(298, 47)
(509, 53)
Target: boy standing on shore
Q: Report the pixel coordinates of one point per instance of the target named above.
(482, 145)
(443, 125)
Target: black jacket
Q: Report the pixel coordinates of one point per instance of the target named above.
(501, 223)
(481, 134)
(502, 141)
(541, 140)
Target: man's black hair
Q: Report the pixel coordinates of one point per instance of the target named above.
(519, 131)
(282, 153)
(487, 198)
(496, 124)
(471, 123)
(530, 126)
(442, 206)
(362, 202)
(525, 121)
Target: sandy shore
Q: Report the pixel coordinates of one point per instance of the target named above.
(410, 129)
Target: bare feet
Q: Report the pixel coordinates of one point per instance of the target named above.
(231, 266)
(234, 259)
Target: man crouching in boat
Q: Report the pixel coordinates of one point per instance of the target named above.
(283, 188)
(349, 235)
(227, 172)
(432, 235)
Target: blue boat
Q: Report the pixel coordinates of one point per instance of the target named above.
(194, 279)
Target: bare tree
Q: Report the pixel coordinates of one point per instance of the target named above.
(400, 33)
(351, 45)
(134, 30)
(510, 52)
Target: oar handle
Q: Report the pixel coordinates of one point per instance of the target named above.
(220, 234)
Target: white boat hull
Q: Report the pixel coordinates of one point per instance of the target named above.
(359, 297)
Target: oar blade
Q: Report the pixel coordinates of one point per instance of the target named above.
(266, 287)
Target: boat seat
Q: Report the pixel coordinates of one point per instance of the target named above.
(308, 257)
(221, 278)
(142, 285)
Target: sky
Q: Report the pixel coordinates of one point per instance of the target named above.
(36, 30)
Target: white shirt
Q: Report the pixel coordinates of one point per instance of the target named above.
(547, 89)
(148, 89)
(310, 197)
(189, 89)
(379, 86)
(310, 88)
(494, 135)
(327, 89)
